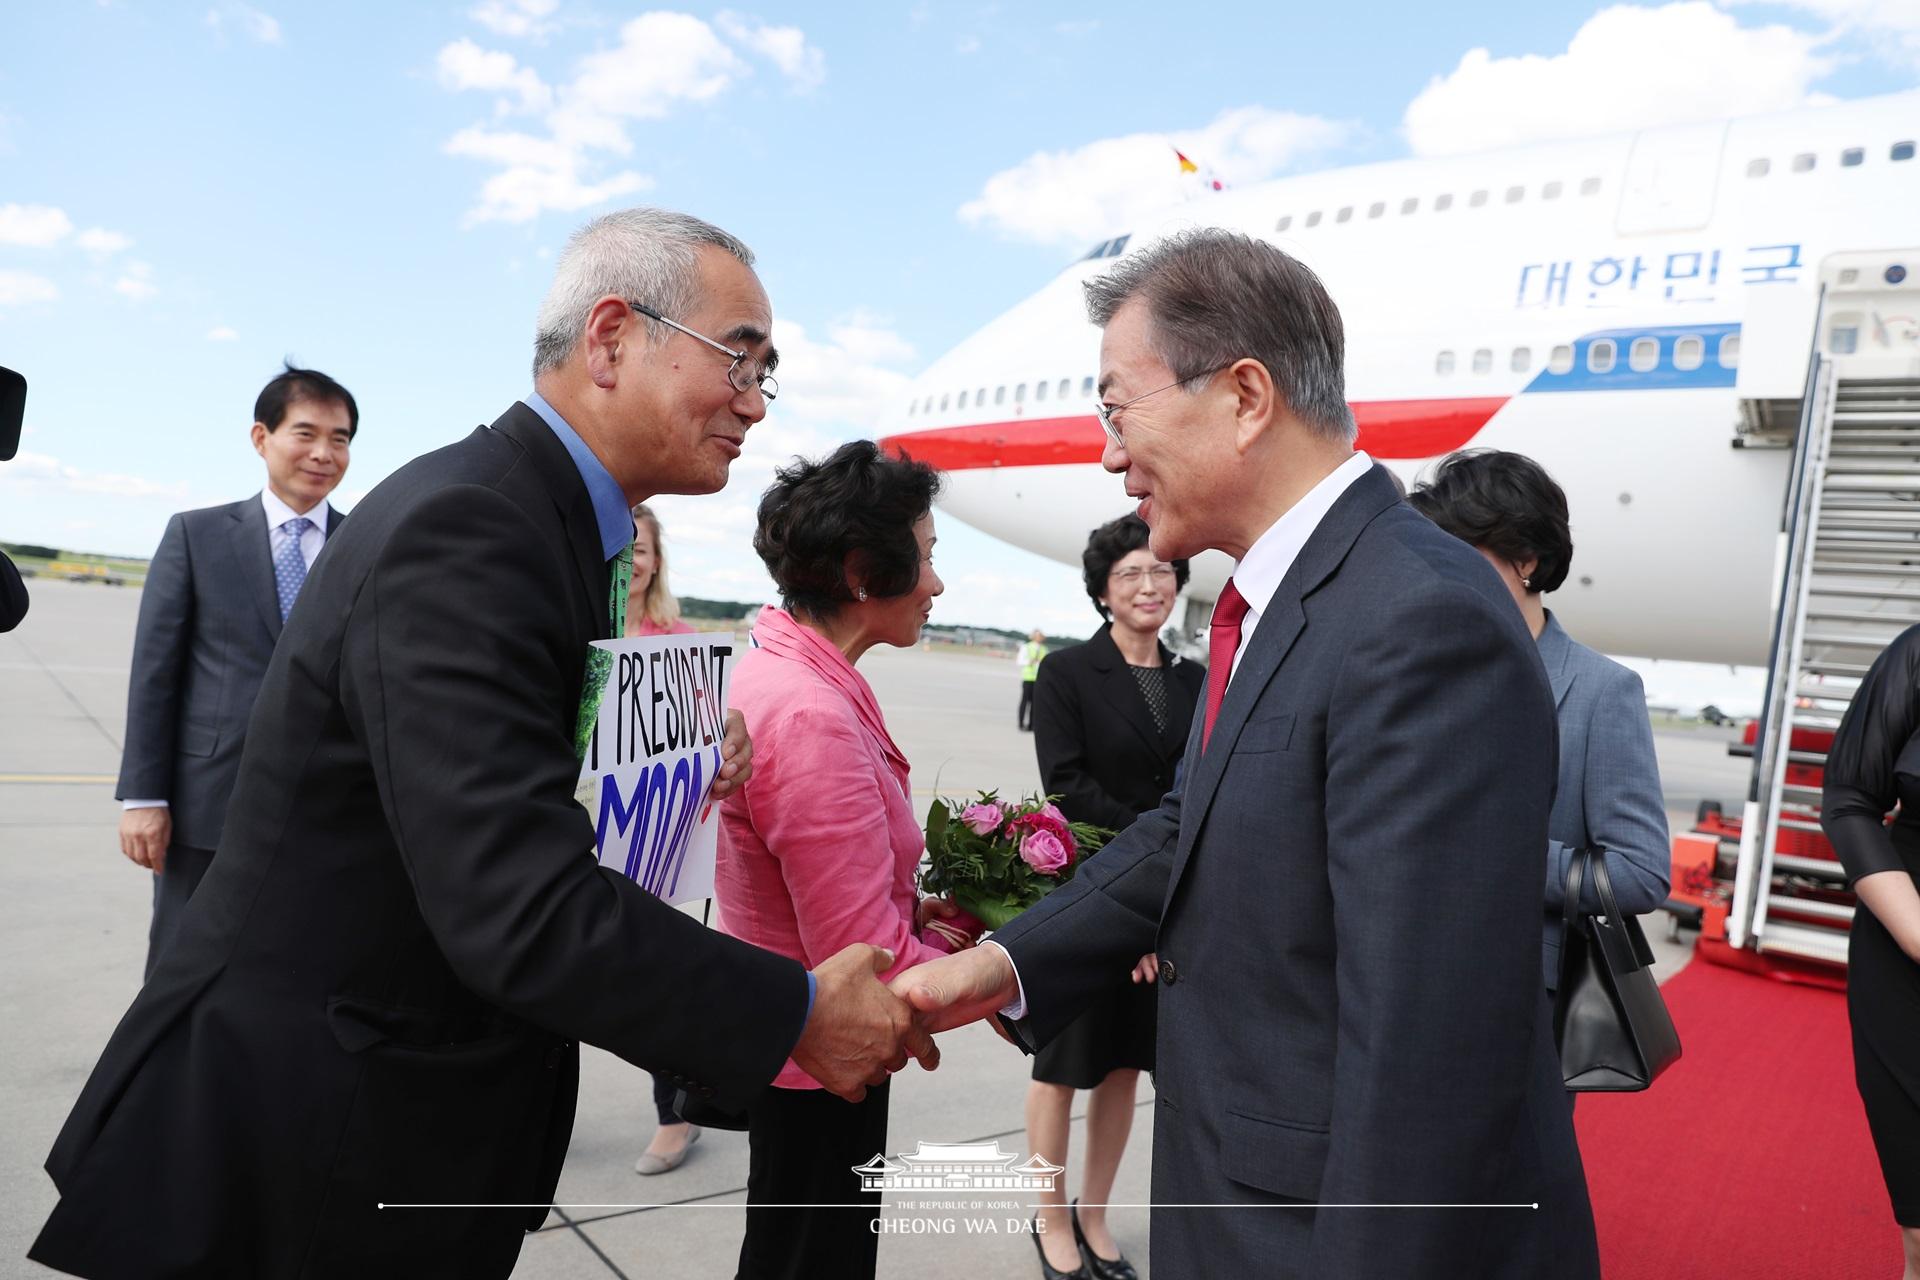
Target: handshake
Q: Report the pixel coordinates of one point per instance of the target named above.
(861, 1032)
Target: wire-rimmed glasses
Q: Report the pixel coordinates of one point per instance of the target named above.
(745, 373)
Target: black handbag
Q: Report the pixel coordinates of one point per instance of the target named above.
(1609, 1022)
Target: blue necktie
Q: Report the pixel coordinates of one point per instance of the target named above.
(289, 566)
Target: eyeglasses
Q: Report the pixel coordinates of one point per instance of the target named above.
(744, 374)
(1162, 574)
(1106, 411)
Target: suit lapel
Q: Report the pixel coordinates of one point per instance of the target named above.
(1122, 691)
(1279, 628)
(555, 467)
(253, 550)
(1556, 654)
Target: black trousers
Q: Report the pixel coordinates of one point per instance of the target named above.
(178, 878)
(663, 1094)
(803, 1145)
(1026, 704)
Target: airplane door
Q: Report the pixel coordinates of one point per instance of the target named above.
(1672, 178)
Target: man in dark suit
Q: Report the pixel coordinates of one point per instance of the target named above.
(375, 1000)
(217, 594)
(13, 406)
(1343, 887)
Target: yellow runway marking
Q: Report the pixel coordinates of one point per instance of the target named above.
(58, 779)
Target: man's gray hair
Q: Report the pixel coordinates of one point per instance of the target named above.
(642, 255)
(1216, 296)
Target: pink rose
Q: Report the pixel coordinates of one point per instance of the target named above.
(982, 819)
(1043, 851)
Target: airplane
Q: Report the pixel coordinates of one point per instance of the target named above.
(1635, 312)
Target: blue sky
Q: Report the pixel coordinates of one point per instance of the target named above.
(190, 191)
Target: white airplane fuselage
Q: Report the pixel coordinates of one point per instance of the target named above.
(1615, 308)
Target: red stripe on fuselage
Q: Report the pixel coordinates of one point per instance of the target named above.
(1388, 429)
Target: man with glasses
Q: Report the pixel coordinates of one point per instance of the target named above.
(1355, 1063)
(376, 998)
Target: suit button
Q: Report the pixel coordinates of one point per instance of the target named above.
(1168, 974)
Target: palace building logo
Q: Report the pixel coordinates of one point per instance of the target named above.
(957, 1167)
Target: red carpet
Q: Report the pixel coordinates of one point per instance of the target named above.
(1750, 1157)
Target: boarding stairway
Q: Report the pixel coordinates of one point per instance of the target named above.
(1850, 583)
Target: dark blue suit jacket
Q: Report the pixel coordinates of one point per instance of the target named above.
(209, 618)
(1344, 893)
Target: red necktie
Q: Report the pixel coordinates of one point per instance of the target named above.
(1223, 641)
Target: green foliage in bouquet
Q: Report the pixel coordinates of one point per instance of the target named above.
(996, 859)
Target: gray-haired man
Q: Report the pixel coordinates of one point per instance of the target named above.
(1356, 1072)
(375, 997)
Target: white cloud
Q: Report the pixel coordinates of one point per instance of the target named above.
(136, 282)
(100, 241)
(259, 27)
(661, 63)
(39, 472)
(465, 65)
(518, 18)
(1074, 197)
(222, 333)
(1890, 27)
(1626, 68)
(35, 226)
(786, 47)
(18, 288)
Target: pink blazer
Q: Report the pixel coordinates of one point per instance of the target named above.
(819, 850)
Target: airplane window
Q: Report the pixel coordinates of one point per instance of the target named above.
(1522, 360)
(1600, 356)
(1483, 361)
(1843, 336)
(1803, 162)
(1901, 151)
(1551, 191)
(1086, 385)
(962, 402)
(1590, 186)
(1730, 351)
(1000, 395)
(980, 398)
(1313, 219)
(1757, 168)
(1286, 220)
(943, 404)
(1066, 385)
(1039, 391)
(1514, 194)
(1345, 214)
(1443, 363)
(1852, 156)
(1561, 361)
(1477, 199)
(910, 407)
(1689, 353)
(1020, 394)
(1409, 205)
(1643, 354)
(1442, 203)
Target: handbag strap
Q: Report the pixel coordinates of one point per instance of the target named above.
(1571, 913)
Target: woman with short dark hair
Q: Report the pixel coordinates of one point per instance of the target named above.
(1512, 512)
(1110, 722)
(821, 852)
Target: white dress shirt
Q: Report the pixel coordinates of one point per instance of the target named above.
(1258, 576)
(278, 513)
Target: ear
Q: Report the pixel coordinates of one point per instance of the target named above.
(1256, 402)
(260, 438)
(1526, 567)
(610, 320)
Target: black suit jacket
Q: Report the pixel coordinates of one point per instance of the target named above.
(1344, 895)
(209, 618)
(376, 992)
(13, 595)
(1098, 747)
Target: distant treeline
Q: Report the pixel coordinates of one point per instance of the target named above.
(695, 607)
(30, 549)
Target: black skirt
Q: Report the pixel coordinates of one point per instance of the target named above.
(1116, 1031)
(1883, 1005)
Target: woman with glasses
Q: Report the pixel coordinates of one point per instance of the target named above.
(1110, 721)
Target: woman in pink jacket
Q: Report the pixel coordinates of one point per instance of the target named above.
(820, 852)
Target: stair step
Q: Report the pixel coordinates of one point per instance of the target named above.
(1794, 865)
(1819, 586)
(1900, 621)
(1857, 669)
(1863, 569)
(1838, 912)
(1836, 641)
(1811, 941)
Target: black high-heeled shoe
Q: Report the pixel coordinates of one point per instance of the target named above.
(1099, 1268)
(1050, 1272)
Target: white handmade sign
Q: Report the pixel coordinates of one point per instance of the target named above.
(654, 754)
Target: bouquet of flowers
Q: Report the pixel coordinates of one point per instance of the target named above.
(995, 859)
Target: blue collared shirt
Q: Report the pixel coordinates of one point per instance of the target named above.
(614, 516)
